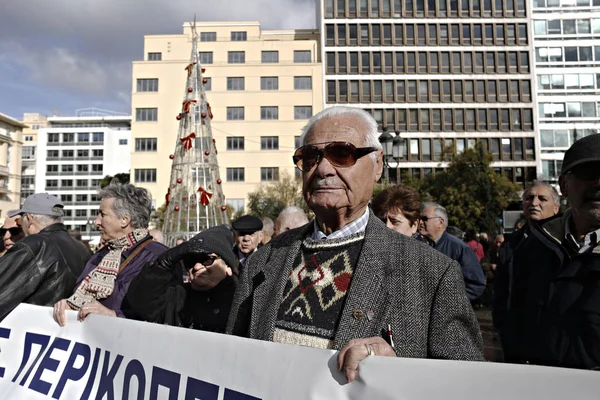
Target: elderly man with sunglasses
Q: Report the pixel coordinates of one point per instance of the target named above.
(11, 232)
(554, 317)
(344, 281)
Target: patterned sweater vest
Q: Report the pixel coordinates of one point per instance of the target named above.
(316, 290)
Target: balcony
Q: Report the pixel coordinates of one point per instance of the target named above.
(67, 143)
(97, 143)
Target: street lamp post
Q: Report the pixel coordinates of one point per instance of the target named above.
(386, 141)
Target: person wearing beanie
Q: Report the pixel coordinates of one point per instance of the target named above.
(553, 311)
(201, 299)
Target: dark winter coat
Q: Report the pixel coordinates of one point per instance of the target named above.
(554, 315)
(418, 291)
(40, 269)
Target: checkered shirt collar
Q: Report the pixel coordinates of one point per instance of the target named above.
(589, 242)
(355, 226)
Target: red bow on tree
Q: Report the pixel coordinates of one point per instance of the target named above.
(210, 114)
(187, 104)
(204, 196)
(168, 197)
(187, 141)
(189, 69)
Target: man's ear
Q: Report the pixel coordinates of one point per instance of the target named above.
(378, 165)
(125, 221)
(562, 182)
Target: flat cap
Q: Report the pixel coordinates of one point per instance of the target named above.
(585, 150)
(247, 224)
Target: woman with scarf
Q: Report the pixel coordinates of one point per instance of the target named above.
(122, 220)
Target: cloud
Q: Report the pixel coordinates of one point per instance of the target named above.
(86, 47)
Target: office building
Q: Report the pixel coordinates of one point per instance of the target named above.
(567, 74)
(73, 155)
(436, 75)
(11, 140)
(34, 122)
(262, 86)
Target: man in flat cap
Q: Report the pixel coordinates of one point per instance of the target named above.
(554, 318)
(248, 237)
(43, 267)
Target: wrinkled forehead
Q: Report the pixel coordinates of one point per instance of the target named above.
(337, 129)
(10, 222)
(538, 191)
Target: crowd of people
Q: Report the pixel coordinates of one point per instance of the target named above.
(383, 276)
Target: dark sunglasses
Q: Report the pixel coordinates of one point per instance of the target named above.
(425, 218)
(589, 172)
(13, 231)
(339, 154)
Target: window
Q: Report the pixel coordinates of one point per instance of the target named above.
(146, 114)
(97, 168)
(302, 112)
(98, 137)
(122, 142)
(52, 154)
(83, 137)
(236, 57)
(147, 85)
(68, 137)
(206, 57)
(81, 198)
(302, 56)
(81, 213)
(237, 205)
(53, 137)
(269, 143)
(235, 143)
(269, 174)
(66, 198)
(208, 36)
(302, 83)
(28, 153)
(145, 175)
(239, 36)
(269, 113)
(235, 113)
(235, 175)
(207, 82)
(269, 57)
(145, 144)
(66, 168)
(154, 56)
(235, 83)
(82, 168)
(51, 183)
(67, 153)
(51, 168)
(66, 183)
(269, 83)
(97, 153)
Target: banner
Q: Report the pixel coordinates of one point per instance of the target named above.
(114, 358)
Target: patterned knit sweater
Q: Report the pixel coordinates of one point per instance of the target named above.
(315, 292)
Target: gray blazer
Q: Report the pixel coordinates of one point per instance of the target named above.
(398, 281)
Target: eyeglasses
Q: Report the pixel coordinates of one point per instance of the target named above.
(425, 218)
(206, 260)
(339, 154)
(17, 230)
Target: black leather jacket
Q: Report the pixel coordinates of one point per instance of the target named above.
(40, 269)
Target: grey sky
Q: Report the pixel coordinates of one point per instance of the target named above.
(58, 55)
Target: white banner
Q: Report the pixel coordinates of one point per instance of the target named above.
(113, 358)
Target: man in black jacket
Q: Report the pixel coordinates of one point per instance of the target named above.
(159, 294)
(42, 267)
(555, 315)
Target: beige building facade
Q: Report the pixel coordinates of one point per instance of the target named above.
(262, 85)
(34, 122)
(11, 140)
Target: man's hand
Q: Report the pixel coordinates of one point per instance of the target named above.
(60, 312)
(94, 308)
(357, 350)
(207, 277)
(189, 249)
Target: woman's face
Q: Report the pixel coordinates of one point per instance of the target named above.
(397, 221)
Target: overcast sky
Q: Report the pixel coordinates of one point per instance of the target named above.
(60, 55)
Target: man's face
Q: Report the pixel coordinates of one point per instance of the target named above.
(498, 242)
(248, 242)
(11, 232)
(433, 228)
(538, 204)
(345, 189)
(109, 225)
(582, 187)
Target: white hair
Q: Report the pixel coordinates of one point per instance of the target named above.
(438, 211)
(292, 217)
(157, 235)
(44, 220)
(268, 226)
(371, 135)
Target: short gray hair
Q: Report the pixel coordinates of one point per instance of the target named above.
(438, 211)
(268, 226)
(45, 220)
(551, 189)
(133, 201)
(371, 135)
(294, 217)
